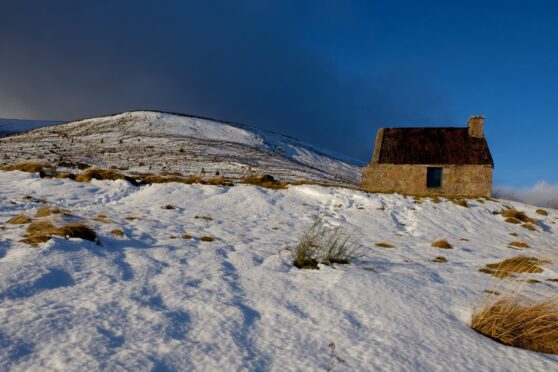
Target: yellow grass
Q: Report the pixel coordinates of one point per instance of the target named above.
(532, 326)
(101, 218)
(41, 231)
(440, 259)
(442, 243)
(28, 166)
(529, 227)
(513, 220)
(47, 211)
(519, 215)
(19, 219)
(117, 232)
(207, 239)
(101, 174)
(461, 202)
(266, 181)
(186, 236)
(518, 244)
(518, 264)
(542, 212)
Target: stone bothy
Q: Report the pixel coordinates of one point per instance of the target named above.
(431, 161)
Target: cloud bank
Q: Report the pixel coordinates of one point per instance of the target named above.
(542, 194)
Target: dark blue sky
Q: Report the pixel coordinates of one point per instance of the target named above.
(328, 72)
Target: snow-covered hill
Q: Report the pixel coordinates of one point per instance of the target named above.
(152, 300)
(147, 141)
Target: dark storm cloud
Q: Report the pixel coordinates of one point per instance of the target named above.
(248, 63)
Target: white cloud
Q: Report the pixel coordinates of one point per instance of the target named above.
(542, 194)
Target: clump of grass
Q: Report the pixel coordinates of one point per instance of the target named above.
(117, 232)
(20, 219)
(461, 202)
(442, 243)
(491, 292)
(440, 259)
(518, 264)
(103, 174)
(47, 211)
(205, 218)
(518, 215)
(169, 206)
(27, 197)
(264, 180)
(517, 244)
(207, 238)
(130, 218)
(541, 212)
(513, 220)
(322, 245)
(186, 236)
(384, 245)
(515, 322)
(30, 167)
(529, 227)
(101, 218)
(218, 181)
(42, 231)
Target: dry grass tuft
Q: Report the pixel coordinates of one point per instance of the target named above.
(513, 220)
(27, 197)
(186, 236)
(47, 211)
(130, 218)
(41, 231)
(511, 266)
(491, 292)
(19, 219)
(264, 180)
(29, 166)
(442, 243)
(169, 206)
(207, 238)
(518, 215)
(529, 227)
(531, 326)
(384, 245)
(518, 244)
(541, 212)
(103, 174)
(101, 218)
(117, 232)
(440, 259)
(461, 202)
(218, 181)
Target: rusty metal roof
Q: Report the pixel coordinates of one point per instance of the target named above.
(433, 146)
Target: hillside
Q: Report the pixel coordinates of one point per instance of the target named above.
(148, 141)
(150, 298)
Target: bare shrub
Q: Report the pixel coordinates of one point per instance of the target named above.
(442, 243)
(520, 323)
(20, 219)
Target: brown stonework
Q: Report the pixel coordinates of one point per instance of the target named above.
(457, 180)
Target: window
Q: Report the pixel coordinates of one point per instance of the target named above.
(433, 177)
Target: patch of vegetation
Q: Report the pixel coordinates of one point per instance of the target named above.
(101, 218)
(461, 202)
(130, 218)
(264, 180)
(384, 245)
(117, 232)
(491, 292)
(442, 243)
(42, 231)
(513, 220)
(518, 215)
(186, 236)
(518, 264)
(47, 211)
(440, 259)
(529, 227)
(103, 174)
(205, 218)
(207, 239)
(541, 212)
(169, 206)
(320, 244)
(518, 245)
(20, 219)
(527, 325)
(30, 167)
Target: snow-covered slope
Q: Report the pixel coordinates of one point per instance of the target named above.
(150, 300)
(147, 141)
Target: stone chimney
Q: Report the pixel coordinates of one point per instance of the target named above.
(475, 125)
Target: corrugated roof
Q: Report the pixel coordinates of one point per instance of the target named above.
(433, 146)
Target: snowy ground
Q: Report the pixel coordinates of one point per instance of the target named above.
(151, 300)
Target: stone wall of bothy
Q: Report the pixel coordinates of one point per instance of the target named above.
(457, 180)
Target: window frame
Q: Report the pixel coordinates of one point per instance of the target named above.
(431, 180)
